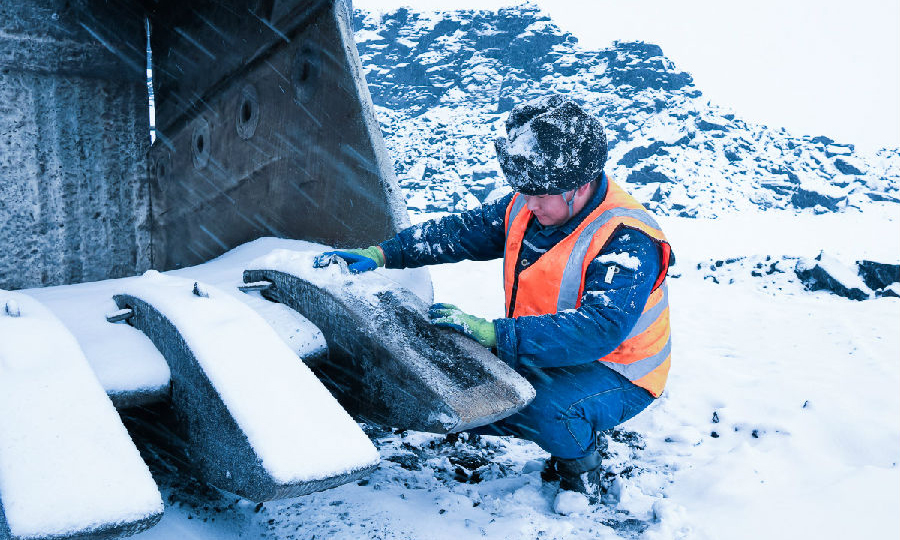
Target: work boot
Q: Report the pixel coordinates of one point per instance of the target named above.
(579, 483)
(556, 468)
(581, 475)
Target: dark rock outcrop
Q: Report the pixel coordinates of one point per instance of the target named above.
(816, 278)
(878, 275)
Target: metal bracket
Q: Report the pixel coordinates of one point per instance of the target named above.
(12, 309)
(255, 286)
(119, 315)
(200, 291)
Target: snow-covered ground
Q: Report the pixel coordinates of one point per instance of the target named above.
(781, 418)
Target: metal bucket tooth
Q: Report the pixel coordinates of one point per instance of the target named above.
(68, 465)
(249, 409)
(386, 362)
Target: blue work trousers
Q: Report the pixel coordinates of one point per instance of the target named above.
(571, 405)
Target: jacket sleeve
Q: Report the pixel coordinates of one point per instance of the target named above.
(611, 304)
(477, 234)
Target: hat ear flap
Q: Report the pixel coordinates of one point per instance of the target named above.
(515, 168)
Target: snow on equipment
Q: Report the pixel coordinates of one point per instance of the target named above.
(68, 468)
(304, 339)
(257, 421)
(128, 367)
(264, 127)
(386, 362)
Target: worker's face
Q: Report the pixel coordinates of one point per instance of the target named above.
(549, 210)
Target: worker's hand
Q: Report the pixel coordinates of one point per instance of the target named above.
(358, 260)
(450, 316)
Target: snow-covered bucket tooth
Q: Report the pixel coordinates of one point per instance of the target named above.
(68, 468)
(129, 367)
(257, 422)
(297, 332)
(386, 362)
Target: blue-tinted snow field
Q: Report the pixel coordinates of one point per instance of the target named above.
(781, 418)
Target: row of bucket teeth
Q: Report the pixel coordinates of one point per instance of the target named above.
(256, 421)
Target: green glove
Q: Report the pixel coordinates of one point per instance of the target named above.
(358, 260)
(450, 316)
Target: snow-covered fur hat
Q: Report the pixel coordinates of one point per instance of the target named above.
(553, 146)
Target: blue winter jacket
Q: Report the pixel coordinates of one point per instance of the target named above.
(609, 308)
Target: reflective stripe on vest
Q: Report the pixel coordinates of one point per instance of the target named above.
(649, 317)
(555, 282)
(518, 203)
(570, 288)
(638, 369)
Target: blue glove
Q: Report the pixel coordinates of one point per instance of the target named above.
(450, 316)
(358, 260)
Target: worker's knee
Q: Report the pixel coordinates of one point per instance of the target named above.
(571, 405)
(563, 427)
(566, 424)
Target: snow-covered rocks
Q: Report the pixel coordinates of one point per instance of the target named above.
(257, 421)
(859, 281)
(827, 273)
(783, 253)
(785, 274)
(880, 277)
(67, 465)
(442, 84)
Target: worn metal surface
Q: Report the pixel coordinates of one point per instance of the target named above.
(265, 126)
(74, 133)
(389, 365)
(219, 448)
(265, 129)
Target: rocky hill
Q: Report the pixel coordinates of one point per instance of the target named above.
(443, 82)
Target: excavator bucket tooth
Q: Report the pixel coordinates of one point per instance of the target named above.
(256, 420)
(386, 362)
(68, 468)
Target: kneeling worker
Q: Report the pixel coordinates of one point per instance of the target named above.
(584, 267)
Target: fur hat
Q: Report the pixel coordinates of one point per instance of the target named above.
(552, 146)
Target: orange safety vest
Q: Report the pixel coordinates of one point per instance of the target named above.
(555, 282)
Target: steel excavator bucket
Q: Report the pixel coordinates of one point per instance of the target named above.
(264, 128)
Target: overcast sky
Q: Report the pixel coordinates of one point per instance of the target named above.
(822, 67)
